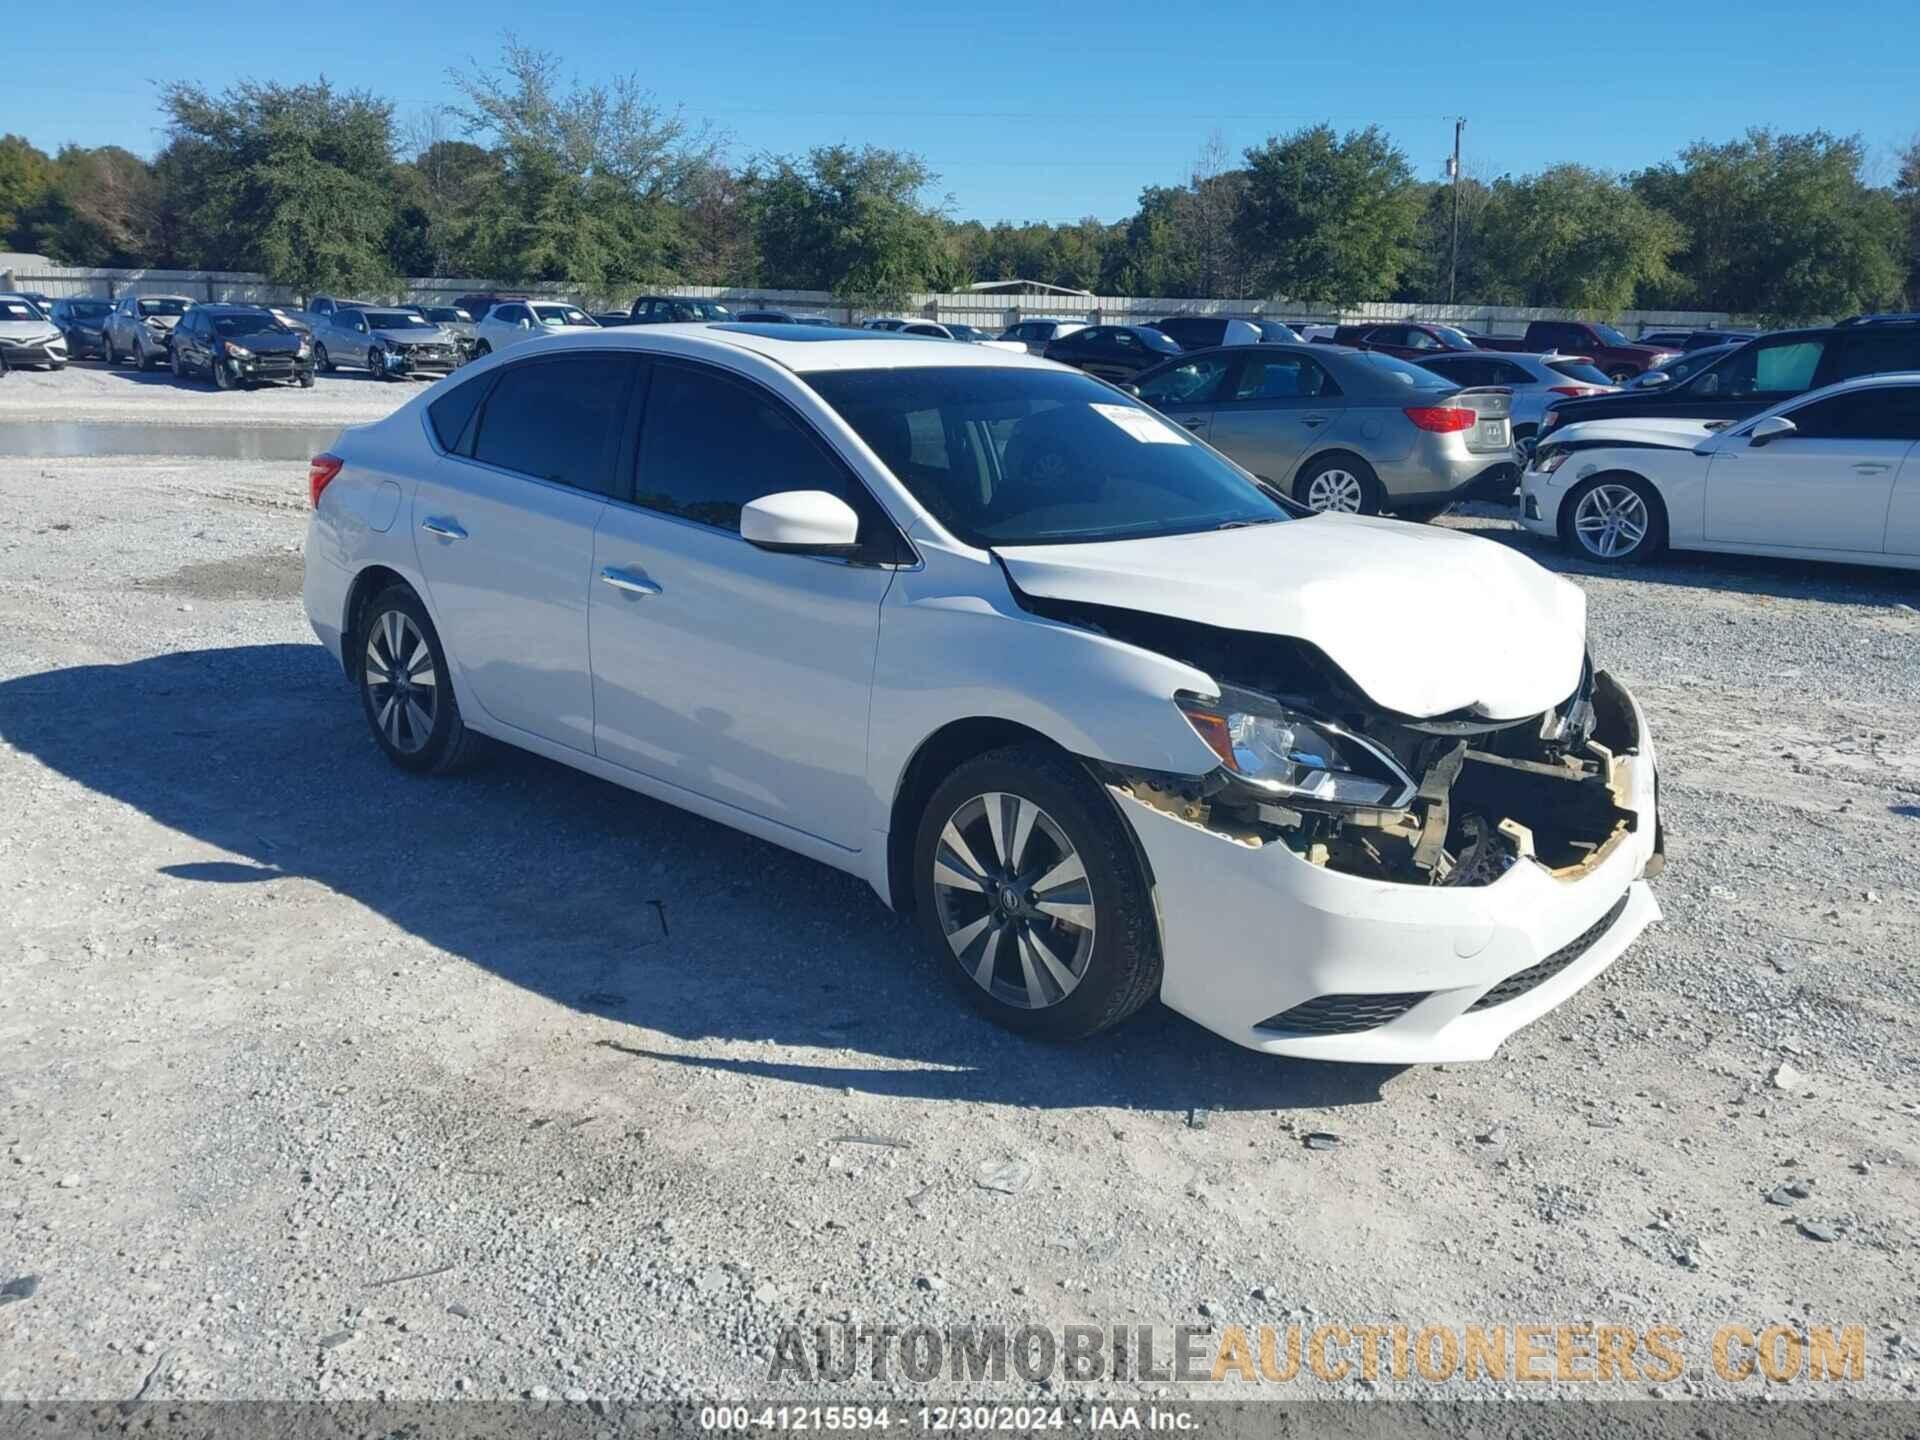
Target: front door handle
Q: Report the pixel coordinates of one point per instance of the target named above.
(445, 529)
(1313, 420)
(629, 582)
(1869, 467)
(1195, 422)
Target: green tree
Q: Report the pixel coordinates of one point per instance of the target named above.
(589, 171)
(1327, 217)
(100, 210)
(26, 180)
(851, 221)
(1779, 226)
(290, 180)
(1575, 238)
(1906, 193)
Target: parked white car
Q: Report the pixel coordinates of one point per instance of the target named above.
(513, 321)
(1111, 720)
(27, 336)
(1830, 475)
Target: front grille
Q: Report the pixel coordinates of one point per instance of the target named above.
(1342, 1014)
(1518, 984)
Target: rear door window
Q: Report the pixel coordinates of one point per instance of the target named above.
(1283, 377)
(449, 414)
(558, 418)
(1886, 412)
(1874, 351)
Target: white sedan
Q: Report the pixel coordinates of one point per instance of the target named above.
(513, 321)
(1046, 671)
(1830, 475)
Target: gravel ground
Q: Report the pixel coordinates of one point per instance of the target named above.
(323, 1081)
(88, 390)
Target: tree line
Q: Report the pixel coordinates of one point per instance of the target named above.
(532, 177)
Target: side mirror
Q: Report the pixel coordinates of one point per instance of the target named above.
(1131, 389)
(1654, 378)
(1771, 428)
(524, 324)
(803, 522)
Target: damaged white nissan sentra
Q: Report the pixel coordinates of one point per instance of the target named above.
(1113, 720)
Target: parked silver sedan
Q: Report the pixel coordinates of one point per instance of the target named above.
(1537, 381)
(1340, 429)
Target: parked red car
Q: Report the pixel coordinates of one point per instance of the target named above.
(1612, 352)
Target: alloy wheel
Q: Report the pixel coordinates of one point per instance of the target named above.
(1336, 489)
(1014, 901)
(402, 688)
(1611, 521)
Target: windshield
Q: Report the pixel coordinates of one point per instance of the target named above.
(965, 332)
(1273, 330)
(88, 309)
(1694, 363)
(1031, 457)
(1399, 371)
(1456, 338)
(19, 310)
(248, 325)
(164, 307)
(1579, 370)
(1610, 336)
(394, 320)
(448, 315)
(561, 315)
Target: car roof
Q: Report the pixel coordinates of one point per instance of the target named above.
(800, 349)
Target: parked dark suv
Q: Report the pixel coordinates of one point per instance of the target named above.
(1760, 374)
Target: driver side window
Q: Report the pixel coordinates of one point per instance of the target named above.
(1193, 382)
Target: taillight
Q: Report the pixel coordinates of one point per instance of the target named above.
(320, 472)
(1442, 419)
(1574, 389)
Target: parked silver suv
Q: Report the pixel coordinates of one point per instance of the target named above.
(140, 329)
(386, 341)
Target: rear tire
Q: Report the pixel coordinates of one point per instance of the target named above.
(1621, 375)
(407, 695)
(107, 357)
(1613, 519)
(322, 359)
(1066, 944)
(1344, 484)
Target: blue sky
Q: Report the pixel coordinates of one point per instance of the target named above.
(1038, 110)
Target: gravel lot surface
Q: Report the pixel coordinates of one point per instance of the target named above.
(88, 390)
(319, 1080)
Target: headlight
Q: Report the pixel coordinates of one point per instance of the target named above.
(238, 352)
(302, 345)
(1293, 756)
(1551, 461)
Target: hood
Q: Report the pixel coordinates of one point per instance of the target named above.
(1426, 621)
(29, 330)
(266, 342)
(161, 322)
(1636, 430)
(415, 335)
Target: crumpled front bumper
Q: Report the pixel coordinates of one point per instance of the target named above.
(1250, 933)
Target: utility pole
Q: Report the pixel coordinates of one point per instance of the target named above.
(1453, 169)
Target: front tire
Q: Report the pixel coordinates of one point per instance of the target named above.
(107, 357)
(481, 350)
(218, 373)
(1614, 519)
(1340, 484)
(1030, 893)
(377, 363)
(406, 688)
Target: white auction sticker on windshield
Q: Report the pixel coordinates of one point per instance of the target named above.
(1147, 429)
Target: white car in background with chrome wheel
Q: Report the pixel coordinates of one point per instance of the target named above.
(1112, 720)
(1830, 475)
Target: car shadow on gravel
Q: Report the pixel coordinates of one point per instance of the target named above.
(1711, 570)
(668, 930)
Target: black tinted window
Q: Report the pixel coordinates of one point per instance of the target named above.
(1192, 382)
(558, 419)
(710, 444)
(1889, 412)
(449, 414)
(1875, 351)
(1283, 377)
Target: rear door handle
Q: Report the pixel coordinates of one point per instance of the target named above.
(1313, 419)
(445, 529)
(1195, 422)
(629, 582)
(1869, 467)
